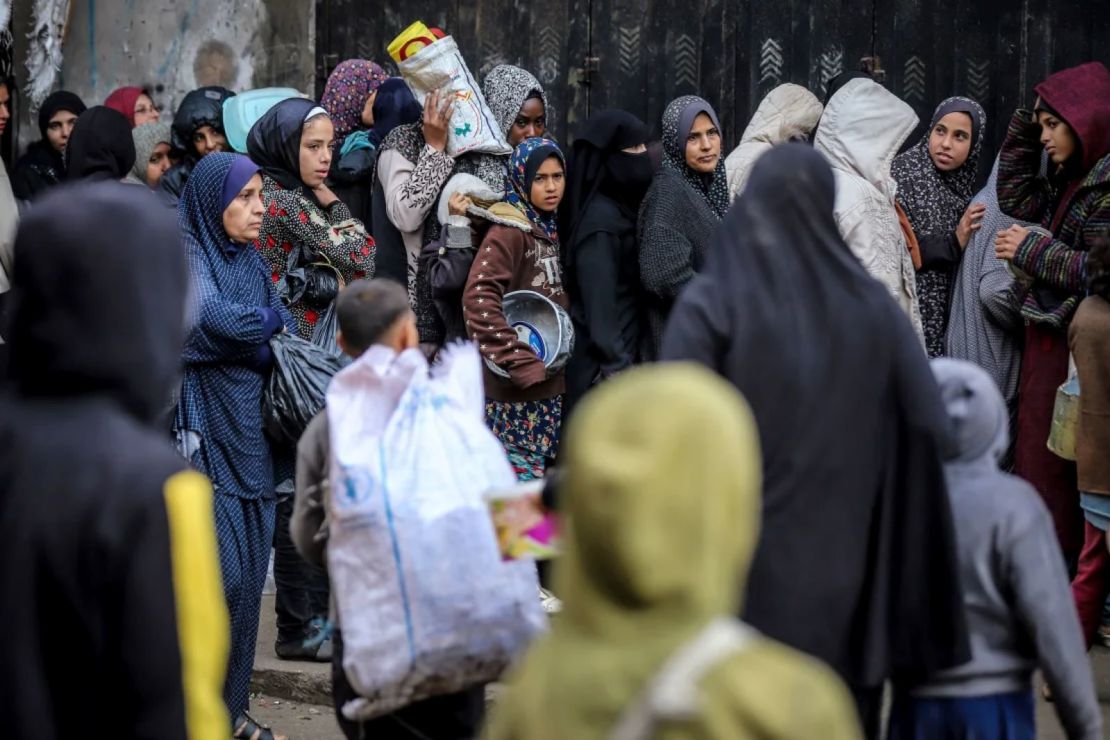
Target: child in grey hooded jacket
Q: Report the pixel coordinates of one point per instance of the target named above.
(1017, 602)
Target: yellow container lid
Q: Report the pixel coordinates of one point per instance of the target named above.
(411, 40)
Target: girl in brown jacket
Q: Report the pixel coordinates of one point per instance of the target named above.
(524, 409)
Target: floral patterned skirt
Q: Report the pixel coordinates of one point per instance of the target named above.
(529, 431)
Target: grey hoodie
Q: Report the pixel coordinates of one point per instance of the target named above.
(1018, 603)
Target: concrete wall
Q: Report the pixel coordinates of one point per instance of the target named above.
(173, 46)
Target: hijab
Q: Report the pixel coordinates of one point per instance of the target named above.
(348, 88)
(395, 106)
(678, 119)
(147, 137)
(202, 205)
(101, 147)
(124, 100)
(525, 162)
(1081, 98)
(274, 143)
(598, 164)
(935, 200)
(653, 560)
(781, 284)
(62, 100)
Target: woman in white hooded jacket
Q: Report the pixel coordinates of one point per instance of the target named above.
(788, 113)
(861, 131)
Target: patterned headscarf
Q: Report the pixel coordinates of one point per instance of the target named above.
(523, 164)
(935, 200)
(680, 114)
(345, 95)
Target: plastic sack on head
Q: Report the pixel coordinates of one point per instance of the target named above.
(427, 604)
(440, 66)
(297, 387)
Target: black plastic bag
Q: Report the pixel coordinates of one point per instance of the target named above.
(297, 387)
(323, 334)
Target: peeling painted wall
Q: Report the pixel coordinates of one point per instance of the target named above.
(174, 46)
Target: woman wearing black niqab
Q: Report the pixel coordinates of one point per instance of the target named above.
(608, 174)
(856, 563)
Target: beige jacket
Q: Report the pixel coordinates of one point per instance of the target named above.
(860, 133)
(788, 112)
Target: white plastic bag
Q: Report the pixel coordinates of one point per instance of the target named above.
(440, 66)
(426, 604)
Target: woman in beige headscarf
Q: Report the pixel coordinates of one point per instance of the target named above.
(662, 494)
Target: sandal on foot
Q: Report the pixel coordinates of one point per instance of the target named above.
(247, 728)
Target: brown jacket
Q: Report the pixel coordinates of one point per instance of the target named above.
(1089, 338)
(508, 260)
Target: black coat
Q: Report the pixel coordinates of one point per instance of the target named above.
(40, 168)
(90, 587)
(856, 562)
(607, 299)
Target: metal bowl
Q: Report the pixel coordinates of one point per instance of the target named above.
(540, 323)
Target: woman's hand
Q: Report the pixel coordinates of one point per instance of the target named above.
(437, 117)
(458, 204)
(324, 195)
(1007, 242)
(971, 221)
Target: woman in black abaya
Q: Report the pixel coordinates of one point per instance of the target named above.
(856, 564)
(608, 174)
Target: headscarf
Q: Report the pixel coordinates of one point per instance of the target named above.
(101, 147)
(1081, 98)
(527, 158)
(395, 106)
(201, 209)
(123, 100)
(934, 200)
(597, 164)
(147, 137)
(835, 353)
(348, 88)
(678, 119)
(661, 497)
(274, 142)
(58, 101)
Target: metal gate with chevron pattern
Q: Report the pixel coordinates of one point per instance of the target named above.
(595, 54)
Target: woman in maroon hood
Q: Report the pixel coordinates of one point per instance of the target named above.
(1071, 125)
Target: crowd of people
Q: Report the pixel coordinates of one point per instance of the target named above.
(800, 447)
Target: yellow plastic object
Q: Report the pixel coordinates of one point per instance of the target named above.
(1065, 420)
(412, 39)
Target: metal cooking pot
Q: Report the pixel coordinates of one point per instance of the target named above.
(540, 323)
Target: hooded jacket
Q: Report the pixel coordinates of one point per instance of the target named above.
(788, 112)
(860, 133)
(1016, 595)
(201, 107)
(108, 560)
(1073, 206)
(644, 571)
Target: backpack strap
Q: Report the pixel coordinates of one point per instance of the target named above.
(673, 693)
